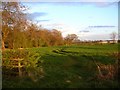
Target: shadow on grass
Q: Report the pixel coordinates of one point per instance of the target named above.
(66, 69)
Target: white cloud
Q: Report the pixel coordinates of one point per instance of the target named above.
(64, 28)
(92, 36)
(67, 29)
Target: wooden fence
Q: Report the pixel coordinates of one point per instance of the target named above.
(16, 63)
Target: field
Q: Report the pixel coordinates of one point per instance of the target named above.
(72, 66)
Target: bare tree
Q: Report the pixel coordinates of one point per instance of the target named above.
(113, 36)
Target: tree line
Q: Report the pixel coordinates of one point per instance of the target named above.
(19, 32)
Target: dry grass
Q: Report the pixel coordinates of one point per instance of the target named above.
(106, 71)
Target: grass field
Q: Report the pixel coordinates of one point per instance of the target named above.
(69, 67)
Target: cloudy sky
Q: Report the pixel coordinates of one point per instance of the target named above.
(89, 20)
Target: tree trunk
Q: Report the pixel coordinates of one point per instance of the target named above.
(3, 45)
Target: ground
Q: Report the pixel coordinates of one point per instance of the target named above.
(69, 67)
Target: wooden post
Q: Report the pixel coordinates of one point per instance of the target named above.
(19, 66)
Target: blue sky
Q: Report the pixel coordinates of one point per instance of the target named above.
(89, 20)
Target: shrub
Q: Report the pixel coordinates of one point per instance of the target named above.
(30, 62)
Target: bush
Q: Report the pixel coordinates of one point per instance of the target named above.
(30, 62)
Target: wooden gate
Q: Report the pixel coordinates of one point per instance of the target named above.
(15, 63)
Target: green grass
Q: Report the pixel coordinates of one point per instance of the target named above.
(69, 67)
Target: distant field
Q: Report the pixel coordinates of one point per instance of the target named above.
(69, 67)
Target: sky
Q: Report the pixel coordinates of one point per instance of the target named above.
(89, 20)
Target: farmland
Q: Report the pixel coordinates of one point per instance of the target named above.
(73, 66)
(65, 45)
